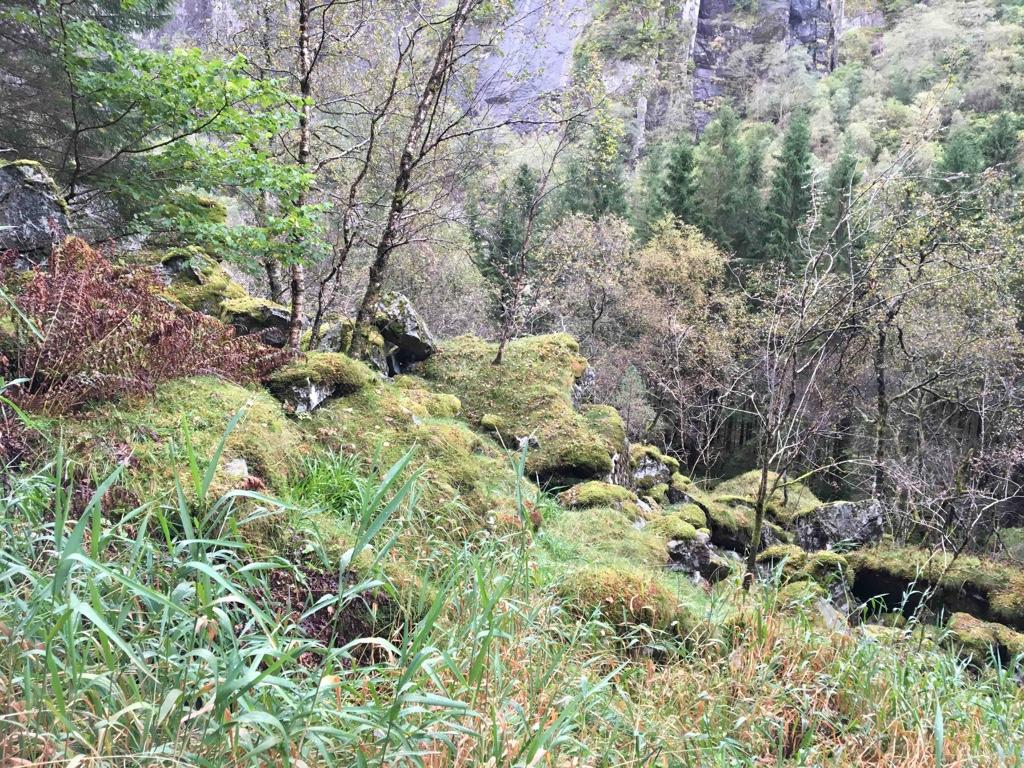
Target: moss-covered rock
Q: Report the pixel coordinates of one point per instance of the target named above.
(788, 502)
(466, 480)
(673, 526)
(826, 568)
(529, 398)
(32, 209)
(146, 435)
(596, 493)
(980, 641)
(659, 493)
(990, 590)
(305, 383)
(649, 467)
(251, 315)
(626, 597)
(691, 513)
(196, 280)
(199, 282)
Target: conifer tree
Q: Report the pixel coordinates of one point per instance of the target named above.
(679, 186)
(962, 158)
(790, 197)
(835, 224)
(648, 207)
(719, 185)
(751, 205)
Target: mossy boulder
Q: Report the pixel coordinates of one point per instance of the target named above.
(595, 493)
(406, 337)
(790, 501)
(527, 400)
(307, 382)
(904, 577)
(250, 315)
(336, 335)
(731, 520)
(649, 467)
(32, 211)
(982, 641)
(847, 523)
(672, 526)
(626, 597)
(147, 436)
(466, 481)
(826, 568)
(691, 513)
(196, 280)
(199, 282)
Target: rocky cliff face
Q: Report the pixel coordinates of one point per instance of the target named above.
(708, 52)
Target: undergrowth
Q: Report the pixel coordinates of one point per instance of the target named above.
(331, 628)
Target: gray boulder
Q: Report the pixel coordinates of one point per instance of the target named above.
(32, 214)
(698, 557)
(857, 523)
(406, 335)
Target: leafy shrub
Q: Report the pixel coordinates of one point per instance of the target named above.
(93, 332)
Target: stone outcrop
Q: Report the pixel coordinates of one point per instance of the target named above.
(32, 214)
(406, 336)
(856, 523)
(698, 557)
(306, 383)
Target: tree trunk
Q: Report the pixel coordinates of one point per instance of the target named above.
(412, 153)
(882, 408)
(298, 272)
(755, 540)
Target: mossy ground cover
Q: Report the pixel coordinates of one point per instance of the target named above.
(147, 434)
(530, 395)
(467, 480)
(785, 505)
(993, 590)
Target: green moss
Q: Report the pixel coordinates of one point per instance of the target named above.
(248, 306)
(146, 430)
(466, 481)
(606, 422)
(202, 285)
(691, 513)
(626, 597)
(595, 494)
(659, 493)
(828, 567)
(797, 565)
(639, 451)
(800, 592)
(978, 640)
(785, 505)
(1000, 584)
(334, 370)
(672, 525)
(530, 394)
(600, 535)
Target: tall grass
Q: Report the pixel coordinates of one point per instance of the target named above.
(159, 635)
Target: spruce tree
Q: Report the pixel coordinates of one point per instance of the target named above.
(1000, 141)
(835, 224)
(648, 206)
(790, 196)
(962, 158)
(719, 186)
(748, 236)
(499, 235)
(679, 186)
